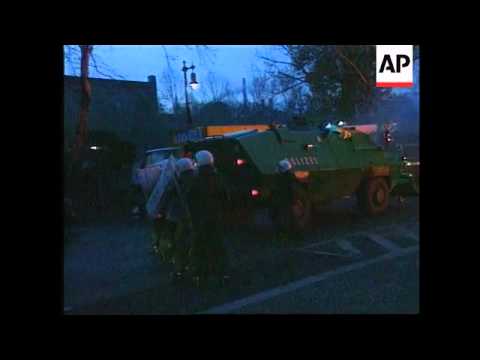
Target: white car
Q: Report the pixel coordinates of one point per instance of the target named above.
(147, 174)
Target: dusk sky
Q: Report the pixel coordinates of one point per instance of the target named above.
(136, 62)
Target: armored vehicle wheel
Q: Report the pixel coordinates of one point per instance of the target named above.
(373, 196)
(301, 210)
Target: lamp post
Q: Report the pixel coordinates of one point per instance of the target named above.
(193, 84)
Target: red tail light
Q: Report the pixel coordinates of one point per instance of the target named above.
(240, 162)
(254, 192)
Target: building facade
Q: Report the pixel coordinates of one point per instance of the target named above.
(129, 109)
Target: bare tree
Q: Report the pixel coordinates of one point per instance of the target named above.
(97, 66)
(86, 94)
(72, 57)
(82, 58)
(287, 73)
(217, 88)
(170, 81)
(340, 78)
(266, 88)
(259, 87)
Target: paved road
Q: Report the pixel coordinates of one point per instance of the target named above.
(386, 284)
(109, 269)
(387, 287)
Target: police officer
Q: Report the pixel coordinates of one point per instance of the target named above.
(283, 197)
(178, 219)
(163, 229)
(208, 197)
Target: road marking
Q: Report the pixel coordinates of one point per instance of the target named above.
(380, 240)
(322, 253)
(381, 229)
(296, 285)
(318, 243)
(347, 246)
(407, 232)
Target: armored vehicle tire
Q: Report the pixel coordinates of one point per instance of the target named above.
(373, 196)
(295, 217)
(301, 210)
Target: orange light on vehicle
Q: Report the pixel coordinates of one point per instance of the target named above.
(240, 162)
(254, 192)
(301, 174)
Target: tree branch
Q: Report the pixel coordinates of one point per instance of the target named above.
(353, 65)
(95, 66)
(291, 77)
(276, 61)
(288, 88)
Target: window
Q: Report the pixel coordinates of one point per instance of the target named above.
(156, 157)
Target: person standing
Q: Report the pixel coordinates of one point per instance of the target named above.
(283, 197)
(208, 197)
(179, 213)
(177, 230)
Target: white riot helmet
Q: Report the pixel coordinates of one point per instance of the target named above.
(284, 165)
(184, 164)
(204, 157)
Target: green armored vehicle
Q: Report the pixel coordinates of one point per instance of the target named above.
(330, 162)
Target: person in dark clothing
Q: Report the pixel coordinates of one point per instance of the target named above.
(163, 232)
(179, 213)
(207, 201)
(283, 198)
(177, 230)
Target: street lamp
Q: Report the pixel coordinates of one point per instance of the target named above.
(193, 81)
(193, 84)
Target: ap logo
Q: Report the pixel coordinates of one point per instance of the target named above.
(395, 66)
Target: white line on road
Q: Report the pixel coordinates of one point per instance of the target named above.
(380, 229)
(407, 232)
(323, 253)
(315, 244)
(380, 240)
(269, 294)
(347, 246)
